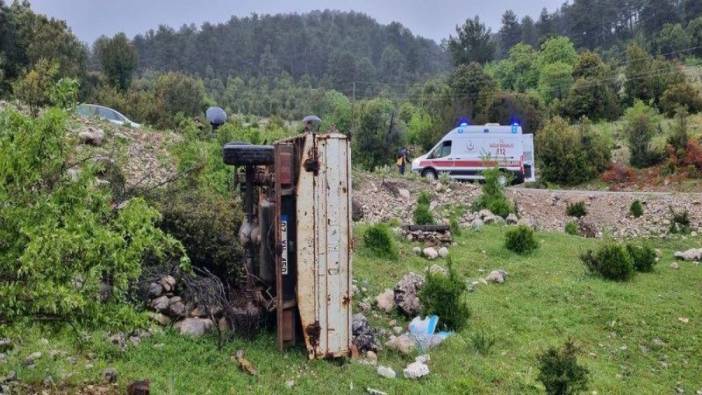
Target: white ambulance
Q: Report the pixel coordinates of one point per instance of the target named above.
(467, 150)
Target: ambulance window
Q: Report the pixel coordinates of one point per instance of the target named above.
(444, 150)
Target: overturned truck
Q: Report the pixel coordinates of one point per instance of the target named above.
(297, 234)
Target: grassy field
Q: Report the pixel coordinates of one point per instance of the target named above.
(631, 334)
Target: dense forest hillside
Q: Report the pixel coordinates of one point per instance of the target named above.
(332, 46)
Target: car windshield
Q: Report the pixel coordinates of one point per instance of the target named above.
(108, 114)
(442, 151)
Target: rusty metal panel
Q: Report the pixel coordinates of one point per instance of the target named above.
(324, 240)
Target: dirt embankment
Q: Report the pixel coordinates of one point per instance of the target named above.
(387, 198)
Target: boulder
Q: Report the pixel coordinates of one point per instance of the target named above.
(356, 210)
(512, 219)
(402, 344)
(159, 318)
(364, 337)
(386, 301)
(194, 327)
(443, 252)
(476, 224)
(386, 372)
(694, 254)
(417, 250)
(406, 294)
(430, 253)
(155, 290)
(496, 276)
(168, 283)
(160, 304)
(416, 370)
(31, 358)
(485, 213)
(92, 136)
(176, 307)
(109, 375)
(404, 193)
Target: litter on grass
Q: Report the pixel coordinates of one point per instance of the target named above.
(422, 330)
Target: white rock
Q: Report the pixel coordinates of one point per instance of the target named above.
(386, 300)
(403, 343)
(476, 224)
(386, 372)
(194, 327)
(694, 254)
(496, 276)
(417, 250)
(443, 252)
(430, 253)
(397, 330)
(404, 193)
(424, 358)
(416, 370)
(372, 357)
(512, 219)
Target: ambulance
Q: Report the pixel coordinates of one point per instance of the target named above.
(466, 151)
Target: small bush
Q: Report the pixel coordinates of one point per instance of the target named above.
(560, 372)
(422, 215)
(571, 228)
(521, 240)
(379, 241)
(443, 295)
(576, 209)
(679, 221)
(454, 226)
(618, 173)
(424, 199)
(643, 257)
(482, 342)
(636, 209)
(493, 195)
(611, 261)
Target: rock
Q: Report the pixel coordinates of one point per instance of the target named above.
(155, 290)
(176, 307)
(496, 276)
(386, 372)
(92, 136)
(406, 294)
(364, 306)
(512, 219)
(373, 391)
(476, 224)
(159, 318)
(160, 304)
(484, 213)
(109, 375)
(11, 376)
(416, 370)
(48, 381)
(397, 330)
(491, 219)
(5, 344)
(404, 193)
(694, 254)
(443, 252)
(223, 325)
(386, 300)
(168, 283)
(290, 383)
(140, 387)
(364, 337)
(424, 358)
(403, 344)
(372, 357)
(356, 210)
(3, 357)
(417, 251)
(587, 229)
(430, 253)
(674, 266)
(31, 358)
(436, 269)
(194, 327)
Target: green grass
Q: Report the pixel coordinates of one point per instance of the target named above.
(547, 298)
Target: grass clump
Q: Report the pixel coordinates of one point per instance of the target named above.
(611, 261)
(571, 228)
(679, 221)
(576, 209)
(443, 295)
(379, 241)
(482, 342)
(636, 209)
(493, 195)
(422, 213)
(424, 199)
(643, 257)
(560, 372)
(521, 240)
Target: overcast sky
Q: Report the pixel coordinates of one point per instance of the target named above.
(434, 19)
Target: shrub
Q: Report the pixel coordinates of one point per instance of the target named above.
(640, 127)
(679, 137)
(454, 226)
(618, 172)
(636, 209)
(521, 240)
(679, 221)
(560, 372)
(482, 342)
(443, 295)
(681, 95)
(424, 199)
(493, 195)
(643, 256)
(379, 241)
(422, 215)
(571, 228)
(576, 209)
(571, 155)
(611, 261)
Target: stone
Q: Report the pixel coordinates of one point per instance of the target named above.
(397, 330)
(430, 253)
(496, 276)
(168, 283)
(31, 358)
(372, 357)
(159, 318)
(512, 219)
(176, 307)
(364, 337)
(424, 358)
(443, 252)
(694, 254)
(437, 269)
(373, 391)
(477, 224)
(482, 214)
(194, 327)
(404, 193)
(404, 344)
(417, 251)
(109, 375)
(386, 300)
(416, 370)
(364, 306)
(386, 372)
(160, 304)
(155, 290)
(674, 266)
(406, 294)
(356, 210)
(11, 376)
(223, 325)
(92, 136)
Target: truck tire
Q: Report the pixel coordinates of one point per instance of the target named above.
(244, 154)
(429, 174)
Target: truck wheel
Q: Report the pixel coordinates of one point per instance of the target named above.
(429, 174)
(243, 154)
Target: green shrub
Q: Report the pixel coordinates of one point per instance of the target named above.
(560, 372)
(521, 240)
(611, 261)
(636, 209)
(571, 228)
(640, 128)
(643, 257)
(454, 226)
(576, 209)
(443, 295)
(493, 195)
(422, 215)
(379, 241)
(424, 199)
(482, 342)
(679, 221)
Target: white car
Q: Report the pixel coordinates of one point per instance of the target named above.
(106, 113)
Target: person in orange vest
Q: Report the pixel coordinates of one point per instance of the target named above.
(401, 162)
